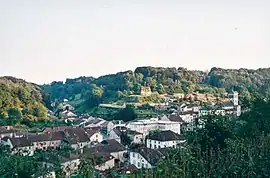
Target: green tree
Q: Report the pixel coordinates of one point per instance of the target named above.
(126, 114)
(86, 169)
(14, 115)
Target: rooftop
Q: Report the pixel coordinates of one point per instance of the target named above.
(166, 135)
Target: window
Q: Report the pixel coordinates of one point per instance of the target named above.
(133, 155)
(139, 164)
(158, 146)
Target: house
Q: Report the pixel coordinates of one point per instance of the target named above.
(50, 174)
(102, 161)
(56, 129)
(164, 139)
(21, 145)
(112, 147)
(136, 137)
(94, 134)
(6, 131)
(48, 140)
(68, 115)
(172, 118)
(115, 134)
(145, 157)
(93, 122)
(189, 116)
(144, 126)
(9, 131)
(231, 107)
(112, 124)
(69, 164)
(184, 107)
(77, 137)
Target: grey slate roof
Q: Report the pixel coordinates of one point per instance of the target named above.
(108, 146)
(76, 135)
(166, 135)
(20, 142)
(175, 118)
(151, 155)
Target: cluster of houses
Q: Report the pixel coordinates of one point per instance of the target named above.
(96, 138)
(106, 141)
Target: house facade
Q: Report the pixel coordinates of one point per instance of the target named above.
(21, 146)
(146, 158)
(164, 139)
(136, 137)
(144, 126)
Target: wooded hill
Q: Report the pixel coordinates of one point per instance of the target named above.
(19, 98)
(113, 87)
(88, 92)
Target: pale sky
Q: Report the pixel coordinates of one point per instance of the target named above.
(46, 40)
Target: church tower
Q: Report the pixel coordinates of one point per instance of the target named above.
(234, 98)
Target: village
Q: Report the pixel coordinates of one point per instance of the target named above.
(123, 146)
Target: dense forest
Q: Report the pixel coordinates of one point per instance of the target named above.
(20, 99)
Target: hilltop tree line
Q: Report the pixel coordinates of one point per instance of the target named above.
(89, 92)
(19, 99)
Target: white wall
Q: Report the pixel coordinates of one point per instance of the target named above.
(137, 138)
(97, 137)
(137, 160)
(119, 155)
(113, 135)
(154, 144)
(105, 166)
(147, 126)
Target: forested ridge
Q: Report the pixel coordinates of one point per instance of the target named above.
(20, 99)
(88, 92)
(113, 87)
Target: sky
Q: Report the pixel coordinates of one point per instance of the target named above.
(46, 40)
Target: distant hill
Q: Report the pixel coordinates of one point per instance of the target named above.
(108, 88)
(22, 96)
(87, 92)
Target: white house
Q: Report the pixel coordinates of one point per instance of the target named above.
(20, 145)
(93, 122)
(103, 161)
(111, 147)
(77, 137)
(164, 139)
(144, 126)
(94, 135)
(113, 124)
(136, 137)
(145, 157)
(115, 134)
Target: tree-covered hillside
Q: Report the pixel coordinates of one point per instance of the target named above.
(20, 99)
(113, 87)
(88, 92)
